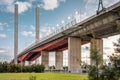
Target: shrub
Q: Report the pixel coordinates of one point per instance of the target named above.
(10, 67)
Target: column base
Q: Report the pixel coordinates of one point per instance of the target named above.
(75, 71)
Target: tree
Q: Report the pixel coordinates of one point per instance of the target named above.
(96, 59)
(113, 72)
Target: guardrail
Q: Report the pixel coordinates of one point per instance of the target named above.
(64, 27)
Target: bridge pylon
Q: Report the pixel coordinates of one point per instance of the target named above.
(100, 7)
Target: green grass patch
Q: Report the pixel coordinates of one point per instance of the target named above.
(42, 76)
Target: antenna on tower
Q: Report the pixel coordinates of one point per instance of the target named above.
(100, 7)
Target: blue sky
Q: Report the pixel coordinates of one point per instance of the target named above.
(53, 13)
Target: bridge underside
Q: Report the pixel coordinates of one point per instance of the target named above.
(61, 45)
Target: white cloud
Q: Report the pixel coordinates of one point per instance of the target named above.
(83, 16)
(28, 33)
(6, 2)
(69, 17)
(46, 31)
(6, 53)
(2, 50)
(23, 6)
(32, 0)
(77, 16)
(57, 25)
(9, 6)
(32, 27)
(3, 36)
(92, 5)
(51, 4)
(2, 26)
(107, 3)
(62, 21)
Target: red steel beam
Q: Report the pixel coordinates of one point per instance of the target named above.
(34, 57)
(57, 46)
(21, 58)
(48, 46)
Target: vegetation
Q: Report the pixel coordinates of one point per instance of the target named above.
(32, 78)
(114, 65)
(42, 76)
(96, 61)
(105, 72)
(112, 70)
(13, 68)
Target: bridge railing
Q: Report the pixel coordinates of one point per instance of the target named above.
(62, 28)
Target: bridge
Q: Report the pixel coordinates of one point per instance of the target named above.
(72, 36)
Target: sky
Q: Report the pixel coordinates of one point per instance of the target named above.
(53, 14)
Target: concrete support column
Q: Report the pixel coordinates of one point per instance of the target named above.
(74, 54)
(23, 63)
(29, 63)
(59, 60)
(45, 59)
(98, 43)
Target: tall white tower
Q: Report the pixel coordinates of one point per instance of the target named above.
(15, 33)
(37, 23)
(37, 27)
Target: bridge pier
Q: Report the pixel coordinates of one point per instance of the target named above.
(74, 55)
(98, 43)
(29, 63)
(45, 59)
(22, 63)
(59, 60)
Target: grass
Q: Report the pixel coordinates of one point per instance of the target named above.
(42, 76)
